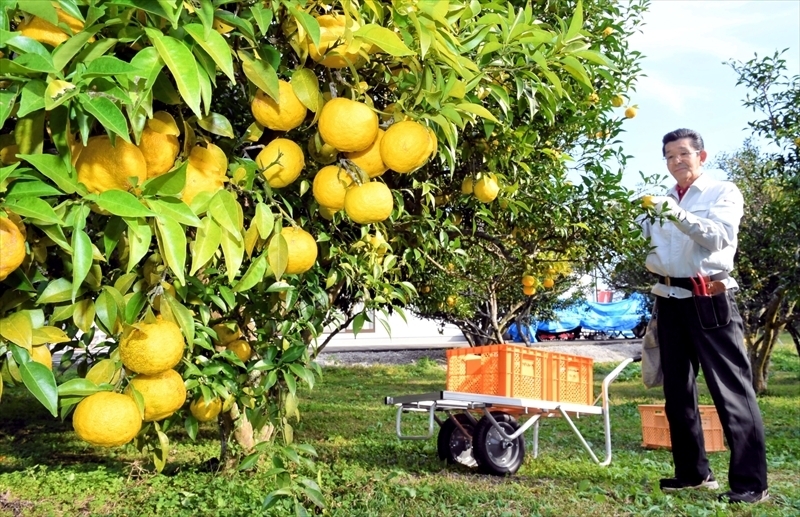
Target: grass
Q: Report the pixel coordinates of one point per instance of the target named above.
(365, 470)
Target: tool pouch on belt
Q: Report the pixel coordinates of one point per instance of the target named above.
(714, 311)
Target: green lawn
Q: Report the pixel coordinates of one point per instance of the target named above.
(365, 470)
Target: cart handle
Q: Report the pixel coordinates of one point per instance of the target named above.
(431, 421)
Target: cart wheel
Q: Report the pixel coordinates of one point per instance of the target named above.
(451, 443)
(494, 455)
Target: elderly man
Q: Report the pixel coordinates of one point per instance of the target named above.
(694, 243)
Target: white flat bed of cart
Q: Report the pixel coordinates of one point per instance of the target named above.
(497, 439)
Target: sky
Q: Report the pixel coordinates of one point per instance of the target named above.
(685, 44)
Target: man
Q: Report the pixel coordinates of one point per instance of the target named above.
(697, 234)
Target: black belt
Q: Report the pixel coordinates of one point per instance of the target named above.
(686, 283)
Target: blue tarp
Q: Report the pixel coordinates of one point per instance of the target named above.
(599, 317)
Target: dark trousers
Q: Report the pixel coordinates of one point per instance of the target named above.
(720, 352)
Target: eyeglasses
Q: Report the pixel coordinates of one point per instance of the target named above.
(685, 155)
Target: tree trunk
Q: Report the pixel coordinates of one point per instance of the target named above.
(762, 351)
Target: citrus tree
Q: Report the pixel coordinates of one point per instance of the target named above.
(196, 190)
(536, 201)
(767, 258)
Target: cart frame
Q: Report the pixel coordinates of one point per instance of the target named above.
(448, 401)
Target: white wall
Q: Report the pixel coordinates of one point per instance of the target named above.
(416, 333)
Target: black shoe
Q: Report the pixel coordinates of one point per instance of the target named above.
(744, 497)
(673, 484)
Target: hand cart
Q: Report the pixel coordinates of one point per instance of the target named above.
(495, 443)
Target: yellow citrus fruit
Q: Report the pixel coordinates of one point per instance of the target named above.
(347, 125)
(12, 247)
(330, 186)
(647, 202)
(8, 149)
(406, 146)
(241, 348)
(378, 244)
(434, 143)
(528, 281)
(369, 203)
(631, 112)
(281, 162)
(226, 333)
(548, 283)
(41, 354)
(107, 419)
(163, 393)
(617, 101)
(593, 98)
(205, 411)
(608, 31)
(369, 160)
(206, 172)
(45, 32)
(151, 348)
(335, 51)
(284, 115)
(159, 143)
(102, 166)
(797, 141)
(302, 250)
(528, 290)
(327, 213)
(320, 151)
(451, 300)
(467, 186)
(486, 188)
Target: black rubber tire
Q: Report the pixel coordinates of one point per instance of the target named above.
(494, 455)
(451, 442)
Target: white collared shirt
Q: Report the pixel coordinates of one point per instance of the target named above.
(703, 241)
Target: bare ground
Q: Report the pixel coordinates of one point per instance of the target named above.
(610, 352)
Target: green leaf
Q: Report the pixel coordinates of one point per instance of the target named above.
(249, 461)
(67, 50)
(31, 98)
(33, 208)
(48, 335)
(106, 310)
(233, 250)
(79, 388)
(32, 188)
(81, 260)
(254, 274)
(134, 307)
(58, 290)
(36, 63)
(122, 203)
(182, 64)
(176, 210)
(263, 18)
(215, 45)
(217, 124)
(261, 74)
(306, 86)
(101, 372)
(44, 10)
(308, 22)
(8, 98)
(149, 62)
(278, 252)
(172, 241)
(110, 65)
(576, 70)
(139, 238)
(183, 315)
(29, 133)
(597, 58)
(576, 24)
(168, 184)
(205, 244)
(41, 382)
(383, 38)
(107, 114)
(477, 109)
(225, 210)
(265, 220)
(18, 329)
(54, 168)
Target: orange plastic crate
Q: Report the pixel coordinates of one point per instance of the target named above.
(570, 378)
(655, 428)
(520, 372)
